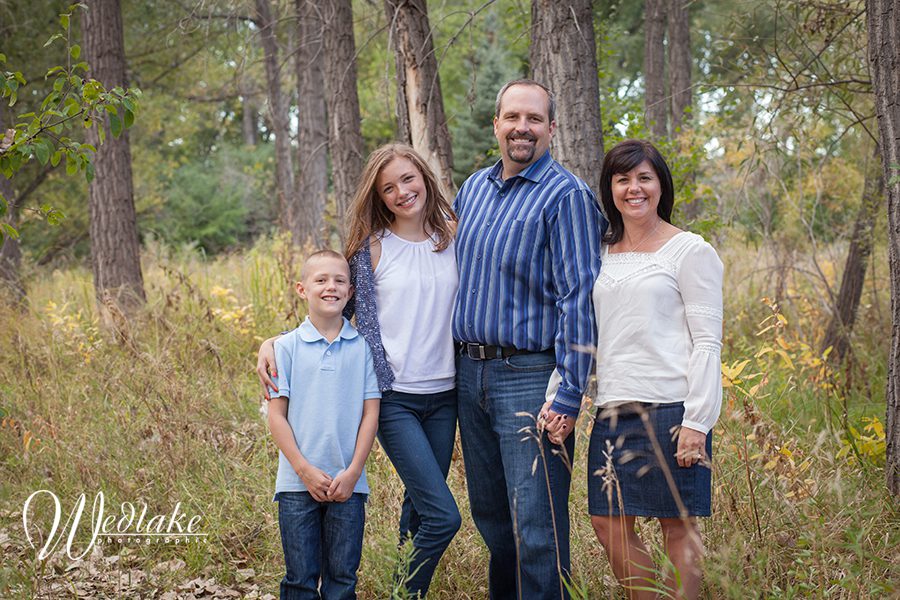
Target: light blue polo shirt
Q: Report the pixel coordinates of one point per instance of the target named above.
(326, 385)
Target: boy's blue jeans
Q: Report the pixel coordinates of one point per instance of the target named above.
(321, 540)
(522, 514)
(417, 432)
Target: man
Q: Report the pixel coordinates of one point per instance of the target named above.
(528, 249)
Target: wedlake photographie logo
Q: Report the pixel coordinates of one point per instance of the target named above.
(132, 524)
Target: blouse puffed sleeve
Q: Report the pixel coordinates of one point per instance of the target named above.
(700, 283)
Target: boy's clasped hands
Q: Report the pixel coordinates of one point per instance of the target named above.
(323, 488)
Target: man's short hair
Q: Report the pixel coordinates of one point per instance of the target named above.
(324, 253)
(551, 109)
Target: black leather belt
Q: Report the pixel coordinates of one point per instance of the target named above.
(487, 352)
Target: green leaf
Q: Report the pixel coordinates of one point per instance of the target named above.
(53, 70)
(71, 106)
(52, 39)
(89, 172)
(42, 151)
(2, 58)
(57, 156)
(91, 90)
(9, 231)
(128, 103)
(75, 51)
(12, 98)
(111, 109)
(115, 125)
(64, 21)
(71, 164)
(3, 205)
(19, 77)
(129, 118)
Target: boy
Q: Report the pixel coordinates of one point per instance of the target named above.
(323, 420)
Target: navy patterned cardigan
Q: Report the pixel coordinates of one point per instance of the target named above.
(363, 305)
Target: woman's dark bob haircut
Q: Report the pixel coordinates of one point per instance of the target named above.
(622, 158)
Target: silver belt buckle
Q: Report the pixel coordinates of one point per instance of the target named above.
(479, 351)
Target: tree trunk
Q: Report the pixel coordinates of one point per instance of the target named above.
(420, 105)
(655, 103)
(837, 335)
(344, 134)
(680, 63)
(564, 58)
(883, 20)
(115, 248)
(312, 132)
(278, 112)
(249, 115)
(10, 253)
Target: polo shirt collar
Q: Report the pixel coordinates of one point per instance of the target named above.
(309, 333)
(534, 172)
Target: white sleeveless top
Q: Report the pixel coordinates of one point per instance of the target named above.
(415, 288)
(659, 328)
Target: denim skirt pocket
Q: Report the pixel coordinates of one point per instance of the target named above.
(632, 468)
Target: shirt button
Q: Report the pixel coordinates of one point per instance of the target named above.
(328, 353)
(473, 290)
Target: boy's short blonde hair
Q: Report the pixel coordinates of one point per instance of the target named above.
(325, 253)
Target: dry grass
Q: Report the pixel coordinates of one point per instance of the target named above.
(167, 410)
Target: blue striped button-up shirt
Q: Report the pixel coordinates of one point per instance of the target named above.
(528, 250)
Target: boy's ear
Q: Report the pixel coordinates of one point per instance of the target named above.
(301, 291)
(351, 292)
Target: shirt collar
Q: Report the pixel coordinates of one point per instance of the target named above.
(309, 333)
(533, 172)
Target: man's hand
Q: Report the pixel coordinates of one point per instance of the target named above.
(691, 447)
(557, 426)
(341, 487)
(317, 483)
(265, 364)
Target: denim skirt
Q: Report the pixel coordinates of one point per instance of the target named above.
(630, 475)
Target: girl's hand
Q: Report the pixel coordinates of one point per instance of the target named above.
(265, 364)
(691, 447)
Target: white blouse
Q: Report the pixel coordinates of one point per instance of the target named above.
(415, 288)
(659, 328)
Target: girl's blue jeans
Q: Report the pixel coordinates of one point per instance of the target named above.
(417, 432)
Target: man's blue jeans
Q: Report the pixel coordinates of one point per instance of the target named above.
(509, 493)
(321, 540)
(417, 432)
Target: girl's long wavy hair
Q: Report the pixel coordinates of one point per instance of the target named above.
(368, 214)
(622, 158)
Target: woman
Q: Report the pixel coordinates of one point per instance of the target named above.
(658, 308)
(403, 267)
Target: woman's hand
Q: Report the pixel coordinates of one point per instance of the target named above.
(557, 426)
(691, 447)
(265, 364)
